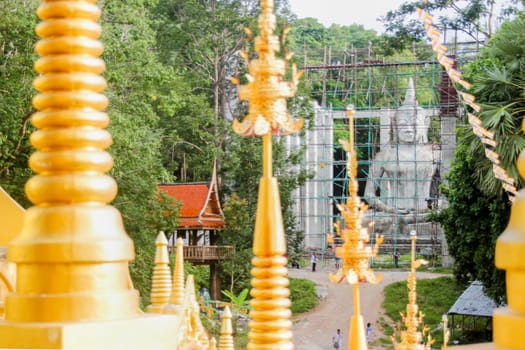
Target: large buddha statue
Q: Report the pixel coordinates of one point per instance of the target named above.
(404, 174)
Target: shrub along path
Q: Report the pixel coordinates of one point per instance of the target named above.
(314, 329)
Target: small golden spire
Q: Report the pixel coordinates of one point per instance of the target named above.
(177, 289)
(161, 279)
(446, 332)
(226, 338)
(196, 332)
(412, 338)
(213, 344)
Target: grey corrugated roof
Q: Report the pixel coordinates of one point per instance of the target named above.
(473, 302)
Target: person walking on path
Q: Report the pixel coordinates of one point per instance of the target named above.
(396, 259)
(369, 332)
(314, 261)
(336, 339)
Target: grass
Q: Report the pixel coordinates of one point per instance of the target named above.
(386, 261)
(432, 301)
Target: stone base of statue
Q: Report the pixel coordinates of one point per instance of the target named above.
(397, 226)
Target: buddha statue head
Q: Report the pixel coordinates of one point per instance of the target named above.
(410, 122)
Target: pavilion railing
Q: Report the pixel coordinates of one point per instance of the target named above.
(204, 253)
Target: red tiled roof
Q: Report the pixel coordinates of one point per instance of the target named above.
(197, 210)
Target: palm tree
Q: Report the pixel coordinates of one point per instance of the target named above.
(478, 209)
(499, 86)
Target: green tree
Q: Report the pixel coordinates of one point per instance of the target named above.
(479, 208)
(208, 59)
(474, 18)
(307, 33)
(472, 221)
(17, 56)
(135, 79)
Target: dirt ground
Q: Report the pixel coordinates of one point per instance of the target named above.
(314, 330)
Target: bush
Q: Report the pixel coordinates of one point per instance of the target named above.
(302, 294)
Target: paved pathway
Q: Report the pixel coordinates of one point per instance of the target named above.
(314, 330)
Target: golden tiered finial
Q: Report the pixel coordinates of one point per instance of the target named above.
(177, 289)
(412, 338)
(161, 279)
(509, 322)
(72, 254)
(355, 253)
(226, 339)
(266, 92)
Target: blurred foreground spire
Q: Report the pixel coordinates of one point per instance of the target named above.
(266, 92)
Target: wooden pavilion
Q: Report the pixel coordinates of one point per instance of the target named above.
(201, 218)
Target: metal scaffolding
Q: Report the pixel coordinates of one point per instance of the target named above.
(376, 88)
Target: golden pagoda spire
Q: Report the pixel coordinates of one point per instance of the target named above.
(161, 279)
(71, 239)
(355, 253)
(226, 339)
(412, 338)
(266, 92)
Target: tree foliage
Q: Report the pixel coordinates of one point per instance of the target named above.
(136, 79)
(479, 208)
(16, 76)
(472, 222)
(475, 18)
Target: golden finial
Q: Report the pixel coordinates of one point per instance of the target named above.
(73, 286)
(266, 92)
(177, 289)
(509, 321)
(355, 252)
(412, 338)
(161, 279)
(226, 339)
